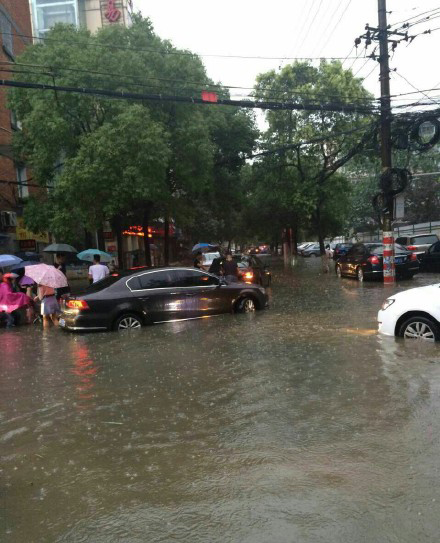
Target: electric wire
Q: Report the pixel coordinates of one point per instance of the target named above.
(164, 52)
(336, 25)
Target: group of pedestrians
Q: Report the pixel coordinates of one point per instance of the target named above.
(224, 266)
(24, 299)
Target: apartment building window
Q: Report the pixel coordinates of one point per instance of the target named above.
(48, 13)
(23, 189)
(7, 37)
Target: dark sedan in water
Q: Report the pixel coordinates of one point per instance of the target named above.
(365, 261)
(131, 299)
(252, 270)
(430, 260)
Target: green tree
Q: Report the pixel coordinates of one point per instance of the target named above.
(337, 136)
(152, 159)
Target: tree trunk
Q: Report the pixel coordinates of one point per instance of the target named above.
(145, 225)
(286, 246)
(319, 230)
(101, 243)
(295, 240)
(88, 239)
(167, 240)
(116, 224)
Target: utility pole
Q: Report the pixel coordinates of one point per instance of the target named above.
(389, 272)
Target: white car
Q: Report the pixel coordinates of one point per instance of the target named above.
(412, 314)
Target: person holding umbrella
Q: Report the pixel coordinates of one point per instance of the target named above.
(48, 279)
(50, 308)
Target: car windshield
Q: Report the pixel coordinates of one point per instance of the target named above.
(423, 240)
(104, 283)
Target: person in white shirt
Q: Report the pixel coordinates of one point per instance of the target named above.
(98, 271)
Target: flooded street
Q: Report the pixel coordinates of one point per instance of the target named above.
(295, 424)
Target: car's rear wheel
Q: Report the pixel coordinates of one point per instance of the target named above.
(338, 271)
(420, 328)
(128, 321)
(246, 305)
(360, 274)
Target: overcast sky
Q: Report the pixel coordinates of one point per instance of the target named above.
(295, 28)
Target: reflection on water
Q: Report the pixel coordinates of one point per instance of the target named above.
(294, 424)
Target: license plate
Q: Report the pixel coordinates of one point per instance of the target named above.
(62, 323)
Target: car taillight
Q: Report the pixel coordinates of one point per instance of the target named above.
(77, 304)
(411, 248)
(413, 257)
(248, 275)
(374, 260)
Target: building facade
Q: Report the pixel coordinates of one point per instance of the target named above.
(15, 32)
(91, 14)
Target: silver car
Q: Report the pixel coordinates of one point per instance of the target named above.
(418, 244)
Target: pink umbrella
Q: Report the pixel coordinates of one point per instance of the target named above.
(46, 275)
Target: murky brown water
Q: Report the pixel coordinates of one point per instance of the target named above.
(297, 424)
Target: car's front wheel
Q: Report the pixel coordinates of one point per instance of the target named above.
(127, 321)
(246, 305)
(420, 328)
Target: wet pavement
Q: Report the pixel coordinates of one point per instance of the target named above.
(296, 424)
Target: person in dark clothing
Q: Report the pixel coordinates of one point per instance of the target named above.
(217, 266)
(198, 261)
(230, 269)
(60, 264)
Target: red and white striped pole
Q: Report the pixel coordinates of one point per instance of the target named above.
(389, 270)
(389, 276)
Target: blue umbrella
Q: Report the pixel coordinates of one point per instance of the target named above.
(202, 246)
(9, 260)
(88, 255)
(24, 264)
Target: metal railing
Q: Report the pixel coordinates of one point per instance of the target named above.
(432, 227)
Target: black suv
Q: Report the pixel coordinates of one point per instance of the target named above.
(149, 295)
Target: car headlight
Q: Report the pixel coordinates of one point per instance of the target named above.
(387, 303)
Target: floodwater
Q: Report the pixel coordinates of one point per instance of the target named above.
(296, 424)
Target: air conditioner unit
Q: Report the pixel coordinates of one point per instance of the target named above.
(8, 219)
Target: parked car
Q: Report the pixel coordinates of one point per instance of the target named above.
(430, 260)
(418, 244)
(251, 269)
(131, 299)
(341, 249)
(208, 259)
(365, 261)
(305, 246)
(312, 250)
(412, 314)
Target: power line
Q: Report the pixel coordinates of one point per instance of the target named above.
(337, 24)
(431, 11)
(171, 80)
(310, 25)
(341, 108)
(165, 52)
(311, 3)
(415, 16)
(411, 85)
